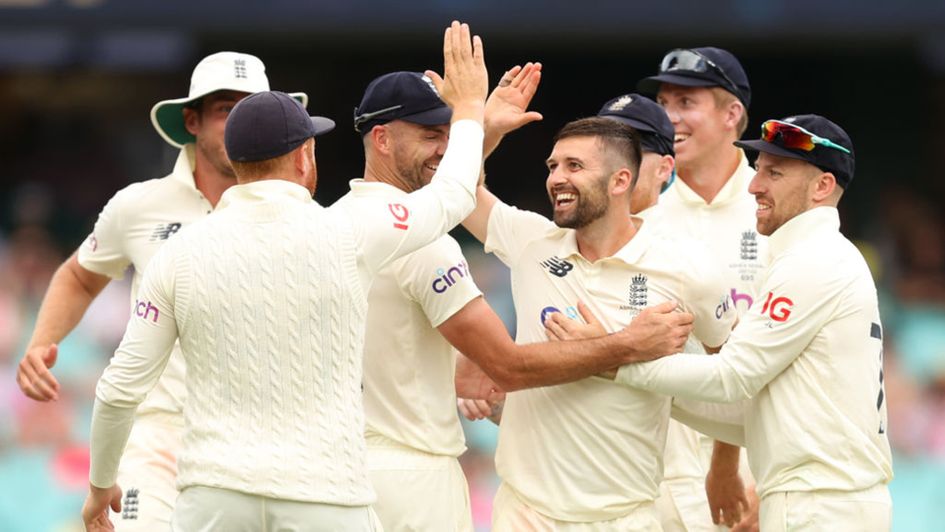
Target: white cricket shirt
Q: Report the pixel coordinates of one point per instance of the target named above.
(592, 450)
(409, 368)
(130, 229)
(809, 356)
(727, 226)
(269, 297)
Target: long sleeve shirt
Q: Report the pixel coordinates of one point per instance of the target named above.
(808, 357)
(268, 296)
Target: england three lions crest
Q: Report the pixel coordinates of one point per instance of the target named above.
(637, 296)
(749, 247)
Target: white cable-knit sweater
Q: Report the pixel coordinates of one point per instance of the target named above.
(268, 296)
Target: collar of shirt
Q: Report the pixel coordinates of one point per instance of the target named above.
(360, 187)
(736, 185)
(651, 214)
(629, 253)
(801, 227)
(264, 191)
(184, 167)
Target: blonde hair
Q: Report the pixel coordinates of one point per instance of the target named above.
(723, 99)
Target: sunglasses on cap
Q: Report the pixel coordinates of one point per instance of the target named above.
(795, 137)
(359, 120)
(692, 61)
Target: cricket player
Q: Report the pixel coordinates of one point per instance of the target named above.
(268, 297)
(706, 94)
(682, 503)
(134, 224)
(588, 455)
(807, 356)
(425, 303)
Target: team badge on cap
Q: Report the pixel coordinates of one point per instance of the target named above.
(621, 103)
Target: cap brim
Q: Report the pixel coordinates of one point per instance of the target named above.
(635, 124)
(767, 147)
(431, 117)
(322, 125)
(651, 85)
(167, 117)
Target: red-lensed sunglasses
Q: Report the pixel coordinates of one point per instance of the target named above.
(795, 137)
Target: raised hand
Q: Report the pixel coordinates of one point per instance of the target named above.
(465, 81)
(33, 375)
(506, 108)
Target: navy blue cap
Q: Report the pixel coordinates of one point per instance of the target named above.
(647, 117)
(828, 159)
(408, 96)
(268, 124)
(701, 67)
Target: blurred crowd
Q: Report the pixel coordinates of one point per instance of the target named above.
(44, 446)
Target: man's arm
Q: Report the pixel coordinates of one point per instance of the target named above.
(761, 347)
(478, 333)
(69, 295)
(136, 367)
(386, 231)
(505, 111)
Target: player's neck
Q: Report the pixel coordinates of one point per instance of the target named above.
(707, 177)
(606, 236)
(211, 182)
(375, 171)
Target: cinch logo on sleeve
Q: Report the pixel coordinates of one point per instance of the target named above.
(738, 296)
(447, 278)
(400, 214)
(724, 306)
(144, 310)
(778, 308)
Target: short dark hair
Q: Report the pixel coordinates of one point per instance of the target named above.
(616, 137)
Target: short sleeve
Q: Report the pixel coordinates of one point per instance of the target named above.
(437, 277)
(103, 251)
(510, 230)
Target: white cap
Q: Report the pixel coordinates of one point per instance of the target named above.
(217, 72)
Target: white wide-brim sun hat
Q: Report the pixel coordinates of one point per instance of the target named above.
(232, 71)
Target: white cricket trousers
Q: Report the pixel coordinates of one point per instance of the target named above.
(147, 473)
(206, 509)
(868, 510)
(511, 514)
(417, 491)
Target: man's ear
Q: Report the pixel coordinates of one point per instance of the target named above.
(823, 186)
(667, 164)
(734, 112)
(382, 138)
(191, 120)
(621, 181)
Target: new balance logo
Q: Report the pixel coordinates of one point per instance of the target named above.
(164, 231)
(129, 506)
(557, 266)
(239, 68)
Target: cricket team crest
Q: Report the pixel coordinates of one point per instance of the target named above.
(749, 247)
(621, 103)
(638, 290)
